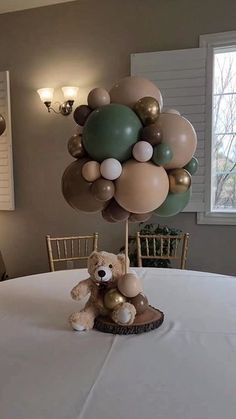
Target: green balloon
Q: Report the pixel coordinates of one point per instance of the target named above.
(111, 131)
(192, 166)
(162, 154)
(173, 204)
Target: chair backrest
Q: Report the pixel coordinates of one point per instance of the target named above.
(3, 274)
(70, 249)
(158, 246)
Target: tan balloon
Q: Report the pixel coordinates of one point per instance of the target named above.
(170, 110)
(98, 97)
(180, 180)
(129, 90)
(91, 171)
(77, 191)
(179, 134)
(142, 187)
(147, 109)
(75, 146)
(113, 298)
(129, 285)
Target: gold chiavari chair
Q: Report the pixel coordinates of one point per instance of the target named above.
(70, 249)
(162, 247)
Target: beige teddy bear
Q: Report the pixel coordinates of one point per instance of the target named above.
(105, 269)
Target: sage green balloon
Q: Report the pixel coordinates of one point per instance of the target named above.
(111, 131)
(162, 154)
(192, 166)
(173, 204)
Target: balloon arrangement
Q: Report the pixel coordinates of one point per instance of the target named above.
(132, 158)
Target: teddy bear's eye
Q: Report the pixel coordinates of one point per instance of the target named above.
(110, 266)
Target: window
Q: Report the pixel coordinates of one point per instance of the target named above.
(223, 168)
(220, 148)
(201, 84)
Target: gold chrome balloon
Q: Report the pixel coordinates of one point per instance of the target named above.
(180, 180)
(113, 298)
(75, 146)
(147, 109)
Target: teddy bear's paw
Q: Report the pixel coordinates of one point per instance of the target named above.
(74, 294)
(124, 314)
(81, 321)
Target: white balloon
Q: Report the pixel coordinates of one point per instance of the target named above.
(142, 151)
(110, 169)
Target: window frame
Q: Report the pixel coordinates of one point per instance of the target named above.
(210, 42)
(6, 175)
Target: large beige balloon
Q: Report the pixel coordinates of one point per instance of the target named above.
(129, 90)
(179, 134)
(142, 187)
(98, 97)
(130, 285)
(77, 191)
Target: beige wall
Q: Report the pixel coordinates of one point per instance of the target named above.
(88, 42)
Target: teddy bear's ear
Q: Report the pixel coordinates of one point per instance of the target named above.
(92, 259)
(121, 258)
(94, 253)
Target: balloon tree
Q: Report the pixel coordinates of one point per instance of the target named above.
(133, 158)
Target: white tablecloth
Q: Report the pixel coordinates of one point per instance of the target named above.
(186, 369)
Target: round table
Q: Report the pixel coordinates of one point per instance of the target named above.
(186, 369)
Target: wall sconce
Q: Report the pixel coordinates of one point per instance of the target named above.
(65, 108)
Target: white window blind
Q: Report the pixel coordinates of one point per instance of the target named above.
(6, 168)
(181, 77)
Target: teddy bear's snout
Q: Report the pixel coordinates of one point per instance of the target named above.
(103, 274)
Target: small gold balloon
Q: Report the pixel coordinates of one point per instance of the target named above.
(147, 109)
(75, 146)
(180, 180)
(113, 298)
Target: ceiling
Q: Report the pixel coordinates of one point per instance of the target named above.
(13, 5)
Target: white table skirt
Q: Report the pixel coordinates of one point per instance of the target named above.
(186, 369)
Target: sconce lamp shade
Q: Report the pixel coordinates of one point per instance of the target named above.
(70, 92)
(46, 94)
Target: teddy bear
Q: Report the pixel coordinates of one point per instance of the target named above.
(105, 270)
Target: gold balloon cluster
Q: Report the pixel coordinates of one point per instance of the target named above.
(147, 167)
(114, 298)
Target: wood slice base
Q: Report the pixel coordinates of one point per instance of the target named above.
(151, 319)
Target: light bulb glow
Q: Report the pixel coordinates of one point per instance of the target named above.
(70, 92)
(46, 94)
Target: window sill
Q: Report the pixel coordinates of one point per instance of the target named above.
(216, 218)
